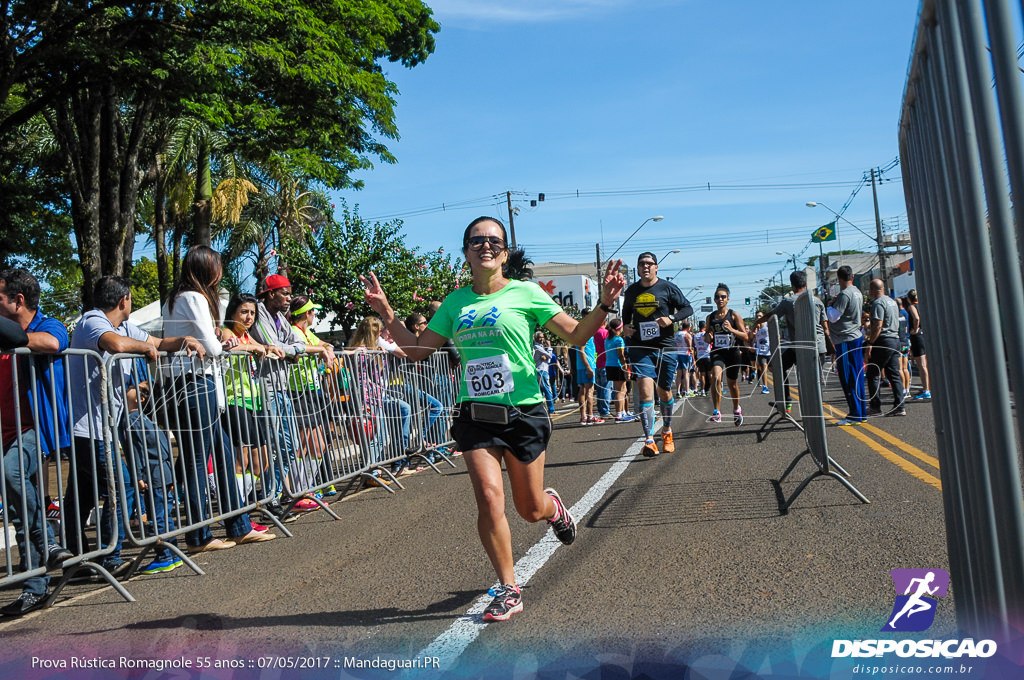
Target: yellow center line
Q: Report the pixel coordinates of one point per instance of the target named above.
(889, 455)
(895, 441)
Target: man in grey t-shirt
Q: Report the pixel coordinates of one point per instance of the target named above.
(883, 351)
(798, 281)
(844, 324)
(105, 330)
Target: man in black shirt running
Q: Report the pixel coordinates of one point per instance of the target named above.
(650, 309)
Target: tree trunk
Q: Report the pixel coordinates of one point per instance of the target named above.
(204, 195)
(163, 277)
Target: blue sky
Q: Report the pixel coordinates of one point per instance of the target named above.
(602, 96)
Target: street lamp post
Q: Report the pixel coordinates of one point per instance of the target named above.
(657, 218)
(792, 256)
(671, 252)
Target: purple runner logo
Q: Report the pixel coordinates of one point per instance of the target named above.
(914, 609)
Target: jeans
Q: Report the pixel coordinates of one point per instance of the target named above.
(281, 415)
(850, 367)
(393, 428)
(545, 389)
(601, 390)
(200, 438)
(83, 494)
(420, 399)
(21, 468)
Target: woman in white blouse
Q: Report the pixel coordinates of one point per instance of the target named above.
(195, 305)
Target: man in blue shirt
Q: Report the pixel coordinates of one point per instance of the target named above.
(34, 423)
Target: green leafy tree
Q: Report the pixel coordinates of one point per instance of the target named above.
(145, 283)
(300, 78)
(340, 251)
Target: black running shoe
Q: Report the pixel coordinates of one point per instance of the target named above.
(508, 600)
(565, 525)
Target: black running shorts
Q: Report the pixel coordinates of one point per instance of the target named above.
(731, 359)
(526, 435)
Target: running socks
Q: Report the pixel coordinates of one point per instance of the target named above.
(666, 414)
(647, 418)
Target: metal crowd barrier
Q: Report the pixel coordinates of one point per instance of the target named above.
(961, 135)
(25, 497)
(808, 378)
(779, 412)
(203, 441)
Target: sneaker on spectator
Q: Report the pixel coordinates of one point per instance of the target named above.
(306, 505)
(897, 412)
(596, 420)
(258, 527)
(162, 565)
(923, 395)
(764, 389)
(116, 566)
(53, 511)
(56, 554)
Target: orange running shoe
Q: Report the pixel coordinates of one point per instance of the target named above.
(666, 442)
(650, 449)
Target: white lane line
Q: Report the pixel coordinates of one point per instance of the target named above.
(449, 645)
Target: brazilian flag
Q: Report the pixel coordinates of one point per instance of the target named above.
(824, 233)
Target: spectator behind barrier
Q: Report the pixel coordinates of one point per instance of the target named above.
(373, 378)
(25, 440)
(245, 402)
(151, 450)
(192, 308)
(105, 330)
(306, 382)
(272, 328)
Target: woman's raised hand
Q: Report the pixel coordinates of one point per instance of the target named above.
(375, 296)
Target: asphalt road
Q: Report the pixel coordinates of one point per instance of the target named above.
(686, 558)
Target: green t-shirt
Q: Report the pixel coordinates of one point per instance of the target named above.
(494, 336)
(305, 373)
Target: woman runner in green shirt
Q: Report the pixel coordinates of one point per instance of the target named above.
(500, 415)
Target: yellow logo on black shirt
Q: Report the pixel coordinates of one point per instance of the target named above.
(646, 304)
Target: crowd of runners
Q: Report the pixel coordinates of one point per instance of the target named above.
(629, 364)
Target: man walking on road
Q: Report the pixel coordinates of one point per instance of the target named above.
(884, 350)
(844, 320)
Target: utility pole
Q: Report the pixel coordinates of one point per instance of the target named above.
(597, 261)
(511, 222)
(878, 229)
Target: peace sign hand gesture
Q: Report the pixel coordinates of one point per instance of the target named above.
(375, 296)
(614, 282)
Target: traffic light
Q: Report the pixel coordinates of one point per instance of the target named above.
(748, 302)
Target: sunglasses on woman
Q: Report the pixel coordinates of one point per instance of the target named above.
(477, 242)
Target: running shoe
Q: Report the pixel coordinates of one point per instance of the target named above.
(737, 417)
(764, 389)
(596, 420)
(897, 412)
(623, 418)
(872, 411)
(29, 602)
(650, 449)
(305, 505)
(923, 395)
(116, 566)
(789, 408)
(847, 421)
(565, 526)
(716, 416)
(160, 566)
(56, 554)
(53, 511)
(258, 527)
(666, 442)
(508, 600)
